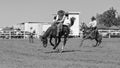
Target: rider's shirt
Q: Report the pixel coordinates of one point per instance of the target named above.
(93, 23)
(59, 19)
(67, 21)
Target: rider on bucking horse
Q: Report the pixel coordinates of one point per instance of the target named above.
(59, 20)
(93, 25)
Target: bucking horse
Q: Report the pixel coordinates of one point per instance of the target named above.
(51, 32)
(88, 33)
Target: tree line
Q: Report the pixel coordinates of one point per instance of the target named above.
(109, 18)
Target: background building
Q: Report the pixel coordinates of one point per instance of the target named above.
(19, 26)
(75, 29)
(38, 27)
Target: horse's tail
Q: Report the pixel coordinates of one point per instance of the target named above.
(72, 20)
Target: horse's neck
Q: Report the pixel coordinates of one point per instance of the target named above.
(46, 34)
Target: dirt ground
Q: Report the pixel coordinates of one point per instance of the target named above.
(17, 53)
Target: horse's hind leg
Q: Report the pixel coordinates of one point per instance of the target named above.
(100, 40)
(59, 40)
(96, 44)
(64, 43)
(57, 43)
(99, 43)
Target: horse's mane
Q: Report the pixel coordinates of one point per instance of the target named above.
(84, 26)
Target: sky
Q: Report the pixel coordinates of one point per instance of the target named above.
(18, 11)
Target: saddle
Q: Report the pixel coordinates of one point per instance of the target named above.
(94, 33)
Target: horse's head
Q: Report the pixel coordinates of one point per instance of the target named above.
(85, 29)
(83, 26)
(44, 41)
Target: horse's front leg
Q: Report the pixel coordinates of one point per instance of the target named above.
(51, 41)
(82, 42)
(55, 43)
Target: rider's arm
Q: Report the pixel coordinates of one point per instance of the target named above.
(62, 19)
(90, 24)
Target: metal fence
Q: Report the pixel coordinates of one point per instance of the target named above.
(14, 34)
(110, 33)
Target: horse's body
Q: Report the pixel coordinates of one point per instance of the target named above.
(52, 33)
(88, 33)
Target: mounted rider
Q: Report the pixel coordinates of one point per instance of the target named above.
(93, 25)
(59, 20)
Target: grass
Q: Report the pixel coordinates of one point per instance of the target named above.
(17, 53)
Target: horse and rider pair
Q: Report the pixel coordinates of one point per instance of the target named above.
(91, 32)
(93, 26)
(58, 29)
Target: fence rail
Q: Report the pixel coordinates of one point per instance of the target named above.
(110, 33)
(13, 34)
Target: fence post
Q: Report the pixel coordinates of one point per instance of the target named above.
(10, 34)
(24, 34)
(109, 33)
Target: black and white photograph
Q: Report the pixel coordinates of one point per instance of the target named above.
(59, 33)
